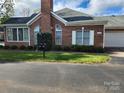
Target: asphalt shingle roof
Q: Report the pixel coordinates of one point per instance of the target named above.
(66, 12)
(73, 15)
(113, 21)
(78, 18)
(19, 20)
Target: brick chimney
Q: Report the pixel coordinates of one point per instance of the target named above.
(46, 8)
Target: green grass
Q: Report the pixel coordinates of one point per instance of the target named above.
(10, 56)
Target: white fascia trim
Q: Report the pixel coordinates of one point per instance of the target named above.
(89, 22)
(59, 18)
(13, 25)
(34, 19)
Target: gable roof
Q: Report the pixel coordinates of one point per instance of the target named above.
(19, 20)
(67, 12)
(76, 18)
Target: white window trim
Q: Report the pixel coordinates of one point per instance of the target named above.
(17, 34)
(56, 30)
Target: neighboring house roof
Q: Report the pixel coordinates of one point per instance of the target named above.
(113, 21)
(20, 20)
(76, 18)
(67, 12)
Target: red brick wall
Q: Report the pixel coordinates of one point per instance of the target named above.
(46, 8)
(67, 33)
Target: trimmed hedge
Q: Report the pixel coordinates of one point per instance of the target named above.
(14, 47)
(77, 48)
(22, 47)
(74, 48)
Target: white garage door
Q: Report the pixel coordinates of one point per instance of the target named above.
(114, 39)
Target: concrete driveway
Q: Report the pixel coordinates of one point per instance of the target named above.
(61, 78)
(117, 57)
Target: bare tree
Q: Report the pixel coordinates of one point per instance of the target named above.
(25, 12)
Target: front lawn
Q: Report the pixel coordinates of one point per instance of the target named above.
(10, 56)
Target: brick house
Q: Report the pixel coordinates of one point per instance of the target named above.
(68, 27)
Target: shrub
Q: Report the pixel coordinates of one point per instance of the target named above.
(66, 48)
(92, 49)
(22, 47)
(6, 47)
(14, 47)
(57, 48)
(30, 48)
(1, 47)
(76, 48)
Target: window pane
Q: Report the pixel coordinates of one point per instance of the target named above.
(86, 38)
(20, 33)
(1, 36)
(14, 30)
(9, 34)
(79, 37)
(25, 33)
(58, 37)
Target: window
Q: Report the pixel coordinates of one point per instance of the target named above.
(9, 34)
(58, 35)
(83, 37)
(86, 38)
(20, 32)
(17, 34)
(1, 37)
(25, 34)
(36, 31)
(79, 37)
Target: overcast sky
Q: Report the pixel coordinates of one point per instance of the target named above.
(94, 7)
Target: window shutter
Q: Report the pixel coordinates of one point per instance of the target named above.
(91, 37)
(73, 37)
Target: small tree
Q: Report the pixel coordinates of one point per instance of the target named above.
(44, 42)
(6, 10)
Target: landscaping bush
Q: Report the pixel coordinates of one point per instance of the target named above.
(77, 48)
(1, 47)
(91, 49)
(22, 47)
(66, 48)
(57, 48)
(6, 47)
(30, 48)
(14, 47)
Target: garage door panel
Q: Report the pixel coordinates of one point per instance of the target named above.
(114, 39)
